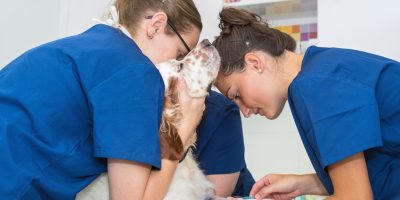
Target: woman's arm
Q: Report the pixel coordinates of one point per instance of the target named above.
(350, 178)
(127, 179)
(130, 180)
(224, 183)
(160, 180)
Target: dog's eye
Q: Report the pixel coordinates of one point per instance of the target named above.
(180, 67)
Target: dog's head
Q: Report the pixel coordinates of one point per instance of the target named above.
(199, 68)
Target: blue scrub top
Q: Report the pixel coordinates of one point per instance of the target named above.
(220, 145)
(345, 102)
(67, 104)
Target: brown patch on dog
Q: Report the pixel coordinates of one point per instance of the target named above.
(204, 58)
(171, 143)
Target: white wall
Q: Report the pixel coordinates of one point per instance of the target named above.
(209, 11)
(367, 25)
(26, 24)
(78, 15)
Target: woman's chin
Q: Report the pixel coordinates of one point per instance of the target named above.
(271, 115)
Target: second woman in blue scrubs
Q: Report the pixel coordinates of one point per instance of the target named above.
(346, 105)
(220, 147)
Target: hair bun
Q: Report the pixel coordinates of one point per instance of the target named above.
(231, 17)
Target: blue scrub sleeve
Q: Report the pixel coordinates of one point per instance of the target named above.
(224, 153)
(344, 117)
(126, 116)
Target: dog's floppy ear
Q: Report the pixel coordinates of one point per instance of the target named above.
(171, 143)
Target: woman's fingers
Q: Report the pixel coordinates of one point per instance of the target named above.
(266, 191)
(191, 109)
(277, 186)
(183, 91)
(196, 103)
(260, 184)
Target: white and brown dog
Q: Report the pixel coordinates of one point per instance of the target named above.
(199, 68)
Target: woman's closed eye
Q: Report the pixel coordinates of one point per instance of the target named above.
(234, 96)
(237, 96)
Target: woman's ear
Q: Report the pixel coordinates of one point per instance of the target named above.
(157, 24)
(254, 61)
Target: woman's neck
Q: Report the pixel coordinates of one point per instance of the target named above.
(290, 63)
(141, 42)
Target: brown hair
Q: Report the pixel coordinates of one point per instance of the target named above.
(170, 141)
(243, 32)
(182, 13)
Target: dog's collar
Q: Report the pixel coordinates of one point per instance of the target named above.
(184, 155)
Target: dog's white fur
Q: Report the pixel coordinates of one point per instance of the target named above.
(199, 68)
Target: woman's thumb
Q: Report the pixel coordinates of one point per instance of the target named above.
(266, 191)
(182, 83)
(183, 90)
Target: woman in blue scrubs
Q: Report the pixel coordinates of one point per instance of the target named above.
(346, 105)
(220, 147)
(76, 107)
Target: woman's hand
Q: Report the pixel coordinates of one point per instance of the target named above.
(288, 186)
(192, 111)
(277, 186)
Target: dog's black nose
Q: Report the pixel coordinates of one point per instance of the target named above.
(206, 43)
